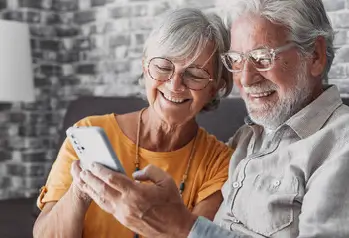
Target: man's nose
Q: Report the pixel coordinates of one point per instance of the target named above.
(249, 75)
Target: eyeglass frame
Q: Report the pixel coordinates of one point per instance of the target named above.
(181, 74)
(245, 56)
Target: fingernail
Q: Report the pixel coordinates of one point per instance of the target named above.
(93, 166)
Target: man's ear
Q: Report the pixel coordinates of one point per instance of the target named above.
(319, 57)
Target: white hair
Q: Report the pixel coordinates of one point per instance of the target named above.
(184, 33)
(293, 101)
(306, 20)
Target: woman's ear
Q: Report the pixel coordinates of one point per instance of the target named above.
(319, 57)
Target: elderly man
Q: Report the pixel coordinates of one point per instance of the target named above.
(288, 176)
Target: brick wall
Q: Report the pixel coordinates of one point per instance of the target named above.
(90, 47)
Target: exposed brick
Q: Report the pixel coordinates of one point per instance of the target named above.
(139, 10)
(95, 3)
(17, 117)
(36, 117)
(5, 182)
(343, 86)
(65, 5)
(32, 17)
(341, 38)
(121, 52)
(12, 130)
(30, 3)
(68, 57)
(42, 31)
(42, 82)
(141, 23)
(120, 25)
(339, 19)
(138, 39)
(54, 45)
(85, 16)
(5, 155)
(198, 4)
(66, 31)
(49, 56)
(83, 44)
(70, 80)
(334, 5)
(48, 69)
(86, 69)
(33, 156)
(338, 71)
(16, 169)
(27, 182)
(46, 56)
(3, 130)
(33, 130)
(3, 143)
(35, 44)
(160, 8)
(26, 169)
(119, 40)
(119, 12)
(13, 15)
(53, 19)
(4, 118)
(342, 55)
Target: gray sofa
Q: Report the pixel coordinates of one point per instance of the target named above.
(17, 216)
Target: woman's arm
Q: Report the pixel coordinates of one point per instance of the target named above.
(64, 218)
(209, 206)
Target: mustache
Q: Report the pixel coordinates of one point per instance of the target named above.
(260, 88)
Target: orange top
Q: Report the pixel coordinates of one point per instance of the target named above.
(208, 172)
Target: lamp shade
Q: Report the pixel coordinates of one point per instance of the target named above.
(16, 71)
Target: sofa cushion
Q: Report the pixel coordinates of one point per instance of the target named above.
(222, 122)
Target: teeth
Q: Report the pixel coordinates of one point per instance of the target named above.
(176, 100)
(259, 95)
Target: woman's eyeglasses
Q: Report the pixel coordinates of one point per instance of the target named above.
(194, 78)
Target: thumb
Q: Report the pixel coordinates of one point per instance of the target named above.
(152, 173)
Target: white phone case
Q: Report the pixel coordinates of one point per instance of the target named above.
(91, 144)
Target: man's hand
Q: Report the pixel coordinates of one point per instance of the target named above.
(150, 209)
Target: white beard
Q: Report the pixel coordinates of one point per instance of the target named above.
(271, 115)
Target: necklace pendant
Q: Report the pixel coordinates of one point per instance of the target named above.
(181, 187)
(137, 169)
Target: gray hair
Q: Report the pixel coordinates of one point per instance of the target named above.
(306, 20)
(184, 33)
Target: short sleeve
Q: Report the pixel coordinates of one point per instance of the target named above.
(59, 179)
(216, 173)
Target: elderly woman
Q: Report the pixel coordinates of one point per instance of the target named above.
(183, 76)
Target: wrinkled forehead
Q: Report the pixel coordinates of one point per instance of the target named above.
(250, 32)
(182, 52)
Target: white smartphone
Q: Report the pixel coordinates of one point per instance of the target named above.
(91, 144)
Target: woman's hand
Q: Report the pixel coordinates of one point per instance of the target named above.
(150, 209)
(77, 185)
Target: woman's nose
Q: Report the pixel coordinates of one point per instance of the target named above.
(175, 84)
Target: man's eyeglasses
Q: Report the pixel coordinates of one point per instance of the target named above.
(262, 59)
(194, 78)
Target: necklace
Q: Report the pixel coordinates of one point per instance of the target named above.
(137, 168)
(191, 155)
